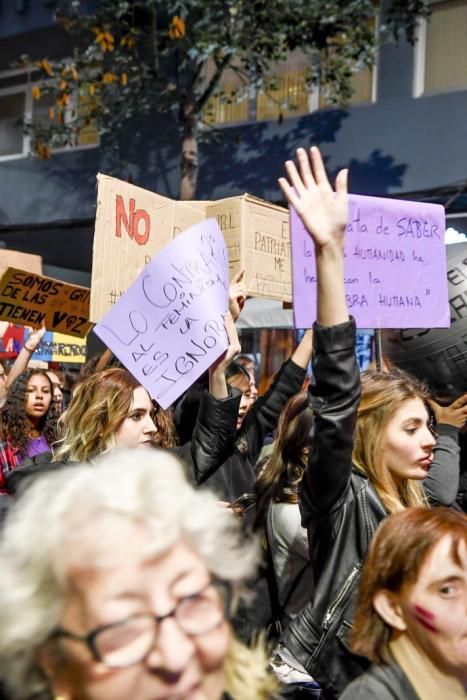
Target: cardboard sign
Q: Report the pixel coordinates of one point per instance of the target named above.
(257, 235)
(168, 328)
(394, 265)
(132, 226)
(58, 347)
(22, 261)
(30, 300)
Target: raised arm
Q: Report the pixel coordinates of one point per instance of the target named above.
(334, 398)
(25, 354)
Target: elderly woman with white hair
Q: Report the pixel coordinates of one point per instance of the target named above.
(117, 582)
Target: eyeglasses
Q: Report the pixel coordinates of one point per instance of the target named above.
(129, 641)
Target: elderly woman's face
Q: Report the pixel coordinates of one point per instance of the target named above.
(165, 659)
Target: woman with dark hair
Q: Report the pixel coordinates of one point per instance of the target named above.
(28, 421)
(411, 617)
(278, 514)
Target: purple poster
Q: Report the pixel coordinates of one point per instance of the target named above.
(395, 265)
(168, 327)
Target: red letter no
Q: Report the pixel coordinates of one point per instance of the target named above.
(131, 222)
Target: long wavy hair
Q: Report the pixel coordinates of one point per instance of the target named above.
(280, 478)
(15, 425)
(97, 409)
(383, 393)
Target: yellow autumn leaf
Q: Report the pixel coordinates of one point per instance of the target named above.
(92, 89)
(105, 41)
(42, 150)
(109, 78)
(45, 66)
(63, 99)
(177, 28)
(124, 79)
(127, 41)
(36, 92)
(51, 113)
(63, 85)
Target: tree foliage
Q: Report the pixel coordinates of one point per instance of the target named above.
(134, 57)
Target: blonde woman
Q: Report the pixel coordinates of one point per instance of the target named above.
(368, 458)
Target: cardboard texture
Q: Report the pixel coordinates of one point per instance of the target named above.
(257, 235)
(30, 300)
(22, 261)
(133, 224)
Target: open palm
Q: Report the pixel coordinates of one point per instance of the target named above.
(322, 210)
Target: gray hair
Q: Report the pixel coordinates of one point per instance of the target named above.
(74, 505)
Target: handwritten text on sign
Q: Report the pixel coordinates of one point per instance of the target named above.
(31, 300)
(168, 328)
(394, 266)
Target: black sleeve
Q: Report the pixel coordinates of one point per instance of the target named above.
(334, 399)
(213, 438)
(263, 416)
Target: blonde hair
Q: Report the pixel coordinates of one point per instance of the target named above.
(98, 407)
(74, 505)
(382, 395)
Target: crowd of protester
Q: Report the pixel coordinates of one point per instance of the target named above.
(308, 542)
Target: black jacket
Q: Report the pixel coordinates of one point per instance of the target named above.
(341, 511)
(237, 475)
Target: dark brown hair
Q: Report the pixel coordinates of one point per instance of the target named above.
(397, 553)
(15, 425)
(279, 480)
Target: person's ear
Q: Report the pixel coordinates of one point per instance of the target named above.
(387, 605)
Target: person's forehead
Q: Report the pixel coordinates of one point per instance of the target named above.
(441, 563)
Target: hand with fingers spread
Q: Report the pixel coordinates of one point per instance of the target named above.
(455, 414)
(322, 210)
(237, 294)
(217, 384)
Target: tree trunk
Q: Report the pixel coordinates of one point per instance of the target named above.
(189, 155)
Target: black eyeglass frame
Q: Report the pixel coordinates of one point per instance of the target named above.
(89, 639)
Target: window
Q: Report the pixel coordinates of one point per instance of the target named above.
(17, 106)
(441, 50)
(289, 94)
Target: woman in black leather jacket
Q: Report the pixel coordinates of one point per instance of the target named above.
(343, 503)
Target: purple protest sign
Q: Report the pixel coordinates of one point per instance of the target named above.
(168, 327)
(394, 265)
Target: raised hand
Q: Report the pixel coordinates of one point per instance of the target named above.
(237, 294)
(217, 384)
(323, 211)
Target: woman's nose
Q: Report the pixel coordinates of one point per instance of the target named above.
(150, 426)
(172, 650)
(429, 439)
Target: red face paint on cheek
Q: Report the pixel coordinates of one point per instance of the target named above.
(425, 618)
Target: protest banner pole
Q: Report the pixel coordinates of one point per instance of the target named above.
(378, 350)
